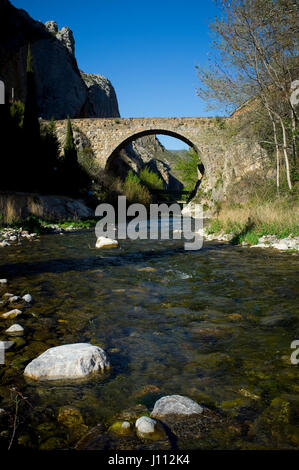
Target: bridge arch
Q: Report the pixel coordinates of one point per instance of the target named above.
(137, 135)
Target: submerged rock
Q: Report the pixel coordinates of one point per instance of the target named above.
(103, 242)
(69, 416)
(69, 361)
(147, 269)
(133, 413)
(121, 428)
(175, 404)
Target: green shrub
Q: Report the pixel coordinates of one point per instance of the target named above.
(132, 178)
(187, 169)
(135, 191)
(32, 223)
(215, 226)
(16, 110)
(150, 179)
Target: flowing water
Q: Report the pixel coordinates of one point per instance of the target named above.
(215, 325)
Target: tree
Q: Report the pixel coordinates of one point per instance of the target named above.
(31, 127)
(256, 62)
(70, 151)
(49, 156)
(70, 161)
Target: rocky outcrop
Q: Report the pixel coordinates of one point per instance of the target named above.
(51, 27)
(21, 205)
(101, 98)
(65, 35)
(61, 90)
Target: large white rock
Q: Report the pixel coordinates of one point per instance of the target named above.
(69, 361)
(15, 330)
(104, 242)
(280, 245)
(175, 404)
(3, 281)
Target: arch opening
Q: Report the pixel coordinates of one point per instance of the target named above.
(143, 151)
(145, 133)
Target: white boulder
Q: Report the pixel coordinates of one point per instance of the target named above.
(15, 330)
(148, 428)
(104, 242)
(145, 425)
(69, 361)
(175, 404)
(28, 298)
(3, 281)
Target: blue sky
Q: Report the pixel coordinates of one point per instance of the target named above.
(148, 49)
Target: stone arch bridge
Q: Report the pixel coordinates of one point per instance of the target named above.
(107, 136)
(227, 156)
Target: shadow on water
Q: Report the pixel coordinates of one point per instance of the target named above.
(62, 265)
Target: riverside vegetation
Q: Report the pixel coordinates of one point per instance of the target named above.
(257, 79)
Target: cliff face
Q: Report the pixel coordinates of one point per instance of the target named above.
(61, 90)
(101, 98)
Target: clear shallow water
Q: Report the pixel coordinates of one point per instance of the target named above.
(215, 325)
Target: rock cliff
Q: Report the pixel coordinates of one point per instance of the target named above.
(61, 89)
(101, 98)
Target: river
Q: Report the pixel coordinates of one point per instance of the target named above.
(215, 325)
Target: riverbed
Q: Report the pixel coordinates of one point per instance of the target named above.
(214, 325)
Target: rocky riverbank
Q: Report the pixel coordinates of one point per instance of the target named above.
(16, 236)
(289, 243)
